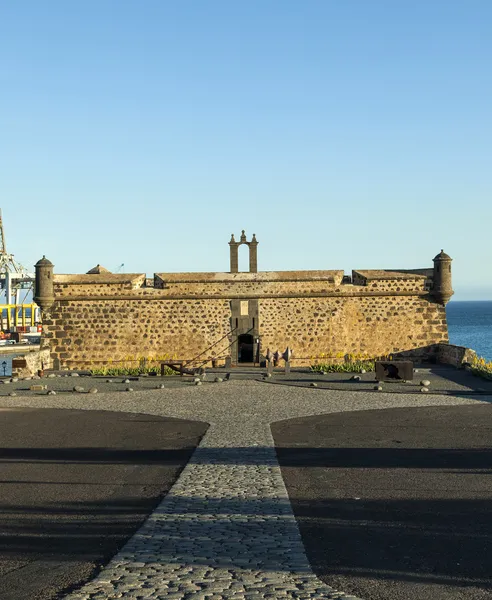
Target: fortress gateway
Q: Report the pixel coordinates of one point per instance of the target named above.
(101, 318)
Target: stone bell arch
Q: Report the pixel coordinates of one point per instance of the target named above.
(253, 255)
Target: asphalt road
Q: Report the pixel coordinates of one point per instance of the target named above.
(75, 485)
(394, 504)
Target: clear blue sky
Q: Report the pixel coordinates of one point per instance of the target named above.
(345, 134)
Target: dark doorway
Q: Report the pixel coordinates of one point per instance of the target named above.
(245, 348)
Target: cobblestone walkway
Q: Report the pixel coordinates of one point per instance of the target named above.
(225, 530)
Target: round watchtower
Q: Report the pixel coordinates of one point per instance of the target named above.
(442, 289)
(44, 289)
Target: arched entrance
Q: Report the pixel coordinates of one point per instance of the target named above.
(245, 348)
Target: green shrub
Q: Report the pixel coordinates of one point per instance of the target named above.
(131, 371)
(481, 367)
(356, 366)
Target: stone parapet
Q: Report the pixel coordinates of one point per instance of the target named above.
(458, 356)
(97, 284)
(391, 281)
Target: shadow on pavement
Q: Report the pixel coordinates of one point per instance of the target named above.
(75, 486)
(391, 504)
(394, 503)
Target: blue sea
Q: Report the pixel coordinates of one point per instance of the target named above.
(470, 324)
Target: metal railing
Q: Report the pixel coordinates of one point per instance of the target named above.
(189, 362)
(16, 314)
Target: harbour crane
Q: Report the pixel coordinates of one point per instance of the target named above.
(15, 281)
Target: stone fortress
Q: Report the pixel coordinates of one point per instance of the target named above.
(101, 318)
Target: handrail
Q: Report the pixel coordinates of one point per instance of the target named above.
(210, 347)
(205, 361)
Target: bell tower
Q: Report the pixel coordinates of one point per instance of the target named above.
(245, 347)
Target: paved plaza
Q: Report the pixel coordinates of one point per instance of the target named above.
(226, 529)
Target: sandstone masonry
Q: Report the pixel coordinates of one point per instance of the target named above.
(101, 318)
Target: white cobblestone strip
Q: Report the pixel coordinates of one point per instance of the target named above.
(225, 530)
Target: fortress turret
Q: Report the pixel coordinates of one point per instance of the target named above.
(442, 289)
(44, 290)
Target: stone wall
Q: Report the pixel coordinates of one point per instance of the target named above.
(99, 319)
(89, 333)
(372, 326)
(31, 362)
